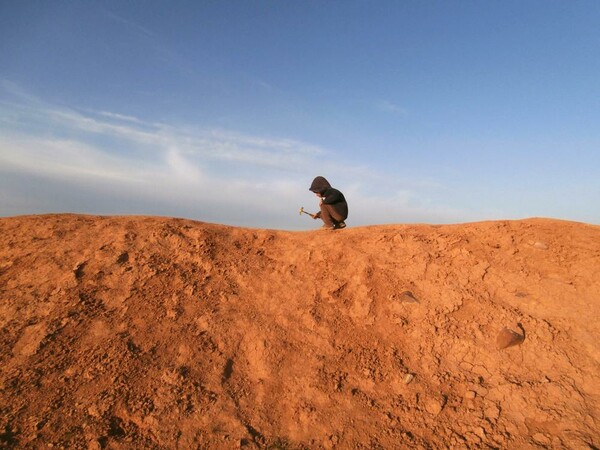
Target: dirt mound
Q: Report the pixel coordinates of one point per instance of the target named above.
(138, 332)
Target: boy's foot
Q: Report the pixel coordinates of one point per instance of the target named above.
(339, 226)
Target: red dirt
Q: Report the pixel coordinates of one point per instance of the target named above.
(141, 332)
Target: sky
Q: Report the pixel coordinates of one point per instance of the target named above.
(224, 111)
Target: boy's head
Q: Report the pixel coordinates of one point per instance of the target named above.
(319, 186)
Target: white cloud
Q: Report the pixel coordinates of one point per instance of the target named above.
(128, 165)
(390, 107)
(129, 24)
(123, 117)
(60, 159)
(181, 168)
(78, 122)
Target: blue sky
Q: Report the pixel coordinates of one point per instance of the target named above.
(418, 111)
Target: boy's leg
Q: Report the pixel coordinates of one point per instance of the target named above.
(330, 216)
(326, 215)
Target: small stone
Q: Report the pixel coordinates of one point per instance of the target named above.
(434, 406)
(466, 366)
(479, 431)
(472, 438)
(507, 338)
(542, 439)
(93, 411)
(540, 245)
(492, 412)
(481, 391)
(408, 378)
(94, 445)
(330, 442)
(408, 297)
(470, 395)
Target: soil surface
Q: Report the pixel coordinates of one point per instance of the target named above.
(146, 332)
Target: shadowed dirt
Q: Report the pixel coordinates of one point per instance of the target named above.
(142, 332)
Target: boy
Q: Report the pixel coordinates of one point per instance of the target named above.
(334, 209)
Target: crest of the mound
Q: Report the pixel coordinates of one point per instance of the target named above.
(145, 332)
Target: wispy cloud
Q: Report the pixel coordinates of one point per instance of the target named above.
(196, 144)
(156, 168)
(121, 117)
(389, 107)
(129, 24)
(215, 170)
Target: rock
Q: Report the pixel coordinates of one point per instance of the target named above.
(330, 442)
(30, 341)
(479, 431)
(93, 411)
(408, 378)
(407, 297)
(434, 405)
(464, 365)
(542, 439)
(540, 245)
(470, 395)
(94, 445)
(507, 338)
(472, 438)
(492, 412)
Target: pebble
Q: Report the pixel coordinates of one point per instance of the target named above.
(540, 245)
(408, 378)
(507, 338)
(492, 412)
(473, 438)
(408, 297)
(542, 439)
(470, 395)
(465, 365)
(330, 442)
(94, 445)
(479, 431)
(434, 406)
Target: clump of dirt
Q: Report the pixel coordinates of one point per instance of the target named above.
(141, 332)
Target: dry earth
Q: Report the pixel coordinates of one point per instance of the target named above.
(141, 332)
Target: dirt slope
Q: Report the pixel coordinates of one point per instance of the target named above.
(138, 332)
